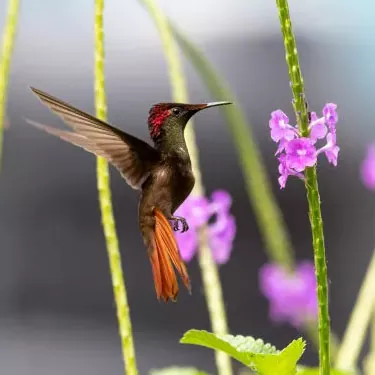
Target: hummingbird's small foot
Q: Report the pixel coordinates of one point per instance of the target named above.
(176, 220)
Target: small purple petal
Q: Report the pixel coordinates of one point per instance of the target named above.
(283, 170)
(187, 243)
(195, 210)
(221, 236)
(330, 115)
(221, 201)
(331, 150)
(282, 181)
(318, 130)
(280, 128)
(282, 145)
(313, 117)
(300, 153)
(368, 168)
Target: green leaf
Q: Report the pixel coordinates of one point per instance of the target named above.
(283, 364)
(302, 370)
(175, 370)
(253, 353)
(239, 347)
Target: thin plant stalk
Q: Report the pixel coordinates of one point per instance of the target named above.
(267, 212)
(108, 220)
(369, 360)
(357, 327)
(210, 274)
(6, 54)
(259, 190)
(311, 183)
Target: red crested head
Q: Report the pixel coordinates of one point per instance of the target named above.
(165, 117)
(157, 116)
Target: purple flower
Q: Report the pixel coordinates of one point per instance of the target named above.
(187, 243)
(285, 171)
(280, 128)
(197, 212)
(221, 236)
(330, 115)
(292, 296)
(368, 168)
(318, 129)
(331, 149)
(296, 153)
(300, 153)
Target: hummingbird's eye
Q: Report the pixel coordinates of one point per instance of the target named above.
(176, 111)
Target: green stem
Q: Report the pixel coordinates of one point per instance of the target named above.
(313, 197)
(356, 329)
(6, 54)
(210, 274)
(108, 220)
(268, 214)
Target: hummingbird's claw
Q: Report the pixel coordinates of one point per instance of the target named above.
(176, 220)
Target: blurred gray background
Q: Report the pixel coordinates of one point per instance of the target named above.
(56, 310)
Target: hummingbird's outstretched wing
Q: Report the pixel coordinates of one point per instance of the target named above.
(130, 155)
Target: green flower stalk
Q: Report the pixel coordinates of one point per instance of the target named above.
(259, 190)
(108, 221)
(311, 184)
(357, 327)
(268, 214)
(6, 54)
(210, 274)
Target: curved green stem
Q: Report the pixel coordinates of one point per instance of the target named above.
(210, 274)
(268, 214)
(259, 190)
(313, 197)
(356, 329)
(6, 54)
(108, 220)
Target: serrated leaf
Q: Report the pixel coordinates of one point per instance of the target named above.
(253, 353)
(283, 364)
(242, 348)
(176, 370)
(302, 370)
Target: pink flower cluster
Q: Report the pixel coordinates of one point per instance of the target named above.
(296, 153)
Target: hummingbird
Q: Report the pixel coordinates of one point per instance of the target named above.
(162, 173)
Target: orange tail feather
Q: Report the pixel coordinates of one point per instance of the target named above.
(164, 253)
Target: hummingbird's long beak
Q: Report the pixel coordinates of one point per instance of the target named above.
(198, 107)
(215, 104)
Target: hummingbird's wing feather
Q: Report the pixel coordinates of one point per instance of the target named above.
(130, 155)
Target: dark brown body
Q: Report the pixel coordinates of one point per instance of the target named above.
(162, 173)
(170, 182)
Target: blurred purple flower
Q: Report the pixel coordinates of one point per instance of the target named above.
(292, 296)
(221, 232)
(368, 168)
(297, 153)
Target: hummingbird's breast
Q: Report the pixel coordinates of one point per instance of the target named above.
(173, 181)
